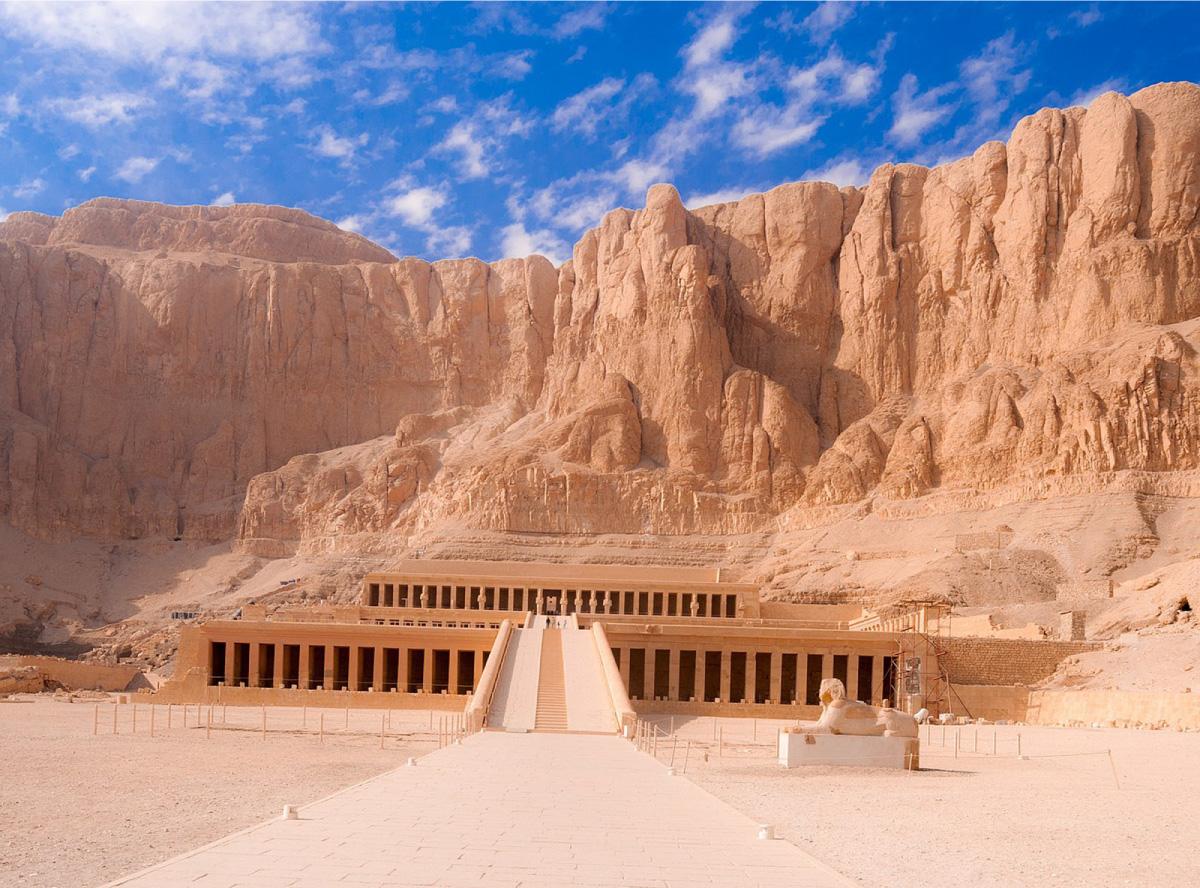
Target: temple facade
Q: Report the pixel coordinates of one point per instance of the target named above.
(675, 639)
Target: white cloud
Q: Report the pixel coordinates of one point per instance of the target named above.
(68, 151)
(841, 173)
(1085, 18)
(593, 107)
(99, 111)
(513, 65)
(717, 85)
(827, 18)
(638, 175)
(392, 94)
(449, 242)
(768, 129)
(153, 31)
(915, 113)
(354, 223)
(518, 242)
(834, 79)
(30, 188)
(464, 140)
(416, 206)
(1085, 97)
(343, 148)
(135, 169)
(86, 174)
(224, 200)
(994, 76)
(577, 55)
(724, 195)
(713, 39)
(582, 17)
(10, 105)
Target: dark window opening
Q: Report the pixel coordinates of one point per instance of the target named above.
(737, 677)
(216, 662)
(812, 685)
(762, 678)
(637, 673)
(687, 675)
(662, 675)
(712, 675)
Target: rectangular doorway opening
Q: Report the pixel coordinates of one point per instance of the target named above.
(266, 665)
(762, 678)
(291, 665)
(241, 663)
(466, 672)
(866, 678)
(391, 668)
(812, 685)
(366, 668)
(687, 675)
(216, 662)
(787, 679)
(662, 675)
(712, 675)
(341, 668)
(637, 673)
(316, 667)
(416, 670)
(441, 671)
(737, 677)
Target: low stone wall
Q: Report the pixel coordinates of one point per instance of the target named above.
(727, 710)
(1120, 708)
(191, 692)
(1078, 707)
(1006, 661)
(75, 675)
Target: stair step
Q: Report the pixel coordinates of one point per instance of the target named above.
(552, 693)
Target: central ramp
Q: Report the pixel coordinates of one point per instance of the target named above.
(506, 810)
(552, 679)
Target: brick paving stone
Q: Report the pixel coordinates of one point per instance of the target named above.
(506, 811)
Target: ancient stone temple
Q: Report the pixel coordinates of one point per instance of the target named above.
(561, 647)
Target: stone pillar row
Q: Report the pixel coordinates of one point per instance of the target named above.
(624, 654)
(378, 670)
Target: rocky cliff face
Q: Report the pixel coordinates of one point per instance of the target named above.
(1026, 315)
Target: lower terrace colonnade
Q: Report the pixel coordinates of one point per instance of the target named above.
(745, 674)
(429, 668)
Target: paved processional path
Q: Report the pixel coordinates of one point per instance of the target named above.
(506, 810)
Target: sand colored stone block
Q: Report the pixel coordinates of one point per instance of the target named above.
(797, 750)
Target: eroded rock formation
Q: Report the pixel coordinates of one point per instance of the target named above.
(1025, 315)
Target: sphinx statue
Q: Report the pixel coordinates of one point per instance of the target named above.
(842, 716)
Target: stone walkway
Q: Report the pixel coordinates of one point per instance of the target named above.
(506, 810)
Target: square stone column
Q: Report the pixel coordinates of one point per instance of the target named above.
(452, 681)
(876, 680)
(648, 674)
(726, 675)
(673, 680)
(230, 679)
(327, 679)
(777, 677)
(427, 684)
(852, 677)
(378, 679)
(277, 677)
(698, 684)
(253, 667)
(751, 676)
(402, 672)
(304, 666)
(625, 668)
(355, 662)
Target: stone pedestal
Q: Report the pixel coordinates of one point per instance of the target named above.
(796, 750)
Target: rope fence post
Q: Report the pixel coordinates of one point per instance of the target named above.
(134, 718)
(95, 719)
(322, 727)
(114, 718)
(152, 708)
(382, 728)
(264, 722)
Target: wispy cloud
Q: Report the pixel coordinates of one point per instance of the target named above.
(915, 112)
(724, 195)
(517, 241)
(30, 188)
(135, 169)
(96, 111)
(225, 199)
(1085, 18)
(605, 104)
(1085, 97)
(343, 148)
(848, 171)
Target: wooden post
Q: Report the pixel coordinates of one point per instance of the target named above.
(957, 737)
(96, 720)
(322, 726)
(382, 728)
(114, 718)
(347, 716)
(993, 741)
(264, 722)
(1113, 764)
(721, 743)
(152, 708)
(170, 712)
(1018, 744)
(208, 724)
(755, 730)
(135, 718)
(304, 717)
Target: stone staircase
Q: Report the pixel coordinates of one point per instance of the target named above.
(552, 690)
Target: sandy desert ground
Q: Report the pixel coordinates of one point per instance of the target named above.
(79, 810)
(1060, 818)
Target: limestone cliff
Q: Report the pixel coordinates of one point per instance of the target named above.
(1028, 315)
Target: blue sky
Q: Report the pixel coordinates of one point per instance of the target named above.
(495, 129)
